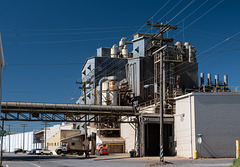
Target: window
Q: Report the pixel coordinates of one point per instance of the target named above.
(73, 144)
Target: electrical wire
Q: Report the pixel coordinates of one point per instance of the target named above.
(199, 17)
(53, 42)
(181, 10)
(74, 33)
(71, 29)
(192, 12)
(154, 14)
(170, 10)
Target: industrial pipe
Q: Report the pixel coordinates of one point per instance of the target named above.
(209, 79)
(202, 79)
(217, 80)
(110, 78)
(226, 81)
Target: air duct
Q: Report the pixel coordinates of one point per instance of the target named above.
(122, 43)
(125, 51)
(110, 78)
(114, 51)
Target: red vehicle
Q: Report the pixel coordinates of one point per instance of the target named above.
(102, 149)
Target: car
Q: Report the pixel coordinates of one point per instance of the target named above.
(18, 150)
(44, 152)
(33, 151)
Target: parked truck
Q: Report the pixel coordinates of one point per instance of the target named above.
(65, 149)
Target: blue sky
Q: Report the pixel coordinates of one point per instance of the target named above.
(46, 42)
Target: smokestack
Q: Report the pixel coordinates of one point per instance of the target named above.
(209, 79)
(226, 81)
(202, 79)
(217, 80)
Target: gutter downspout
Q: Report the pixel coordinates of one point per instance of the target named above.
(190, 119)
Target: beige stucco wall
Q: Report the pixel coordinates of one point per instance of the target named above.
(54, 141)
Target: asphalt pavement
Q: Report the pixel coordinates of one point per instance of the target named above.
(115, 160)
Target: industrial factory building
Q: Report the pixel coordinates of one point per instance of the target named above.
(155, 66)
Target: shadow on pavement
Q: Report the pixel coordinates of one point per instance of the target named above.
(43, 157)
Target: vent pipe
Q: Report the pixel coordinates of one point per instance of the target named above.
(202, 79)
(110, 78)
(122, 42)
(217, 80)
(209, 79)
(226, 81)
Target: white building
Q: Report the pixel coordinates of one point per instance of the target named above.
(16, 141)
(208, 123)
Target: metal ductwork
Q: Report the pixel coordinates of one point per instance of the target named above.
(110, 78)
(122, 42)
(114, 51)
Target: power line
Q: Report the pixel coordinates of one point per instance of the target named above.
(192, 12)
(54, 42)
(74, 33)
(170, 10)
(200, 17)
(181, 11)
(69, 29)
(154, 14)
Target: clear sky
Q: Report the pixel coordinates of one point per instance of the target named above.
(46, 42)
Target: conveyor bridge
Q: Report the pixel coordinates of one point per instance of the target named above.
(52, 112)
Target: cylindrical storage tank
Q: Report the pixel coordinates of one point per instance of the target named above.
(217, 80)
(225, 80)
(114, 51)
(105, 96)
(125, 51)
(202, 79)
(113, 93)
(209, 79)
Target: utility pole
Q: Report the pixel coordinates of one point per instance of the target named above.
(84, 88)
(23, 126)
(45, 134)
(9, 126)
(163, 28)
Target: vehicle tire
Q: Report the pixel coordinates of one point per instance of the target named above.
(41, 153)
(59, 152)
(50, 153)
(80, 153)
